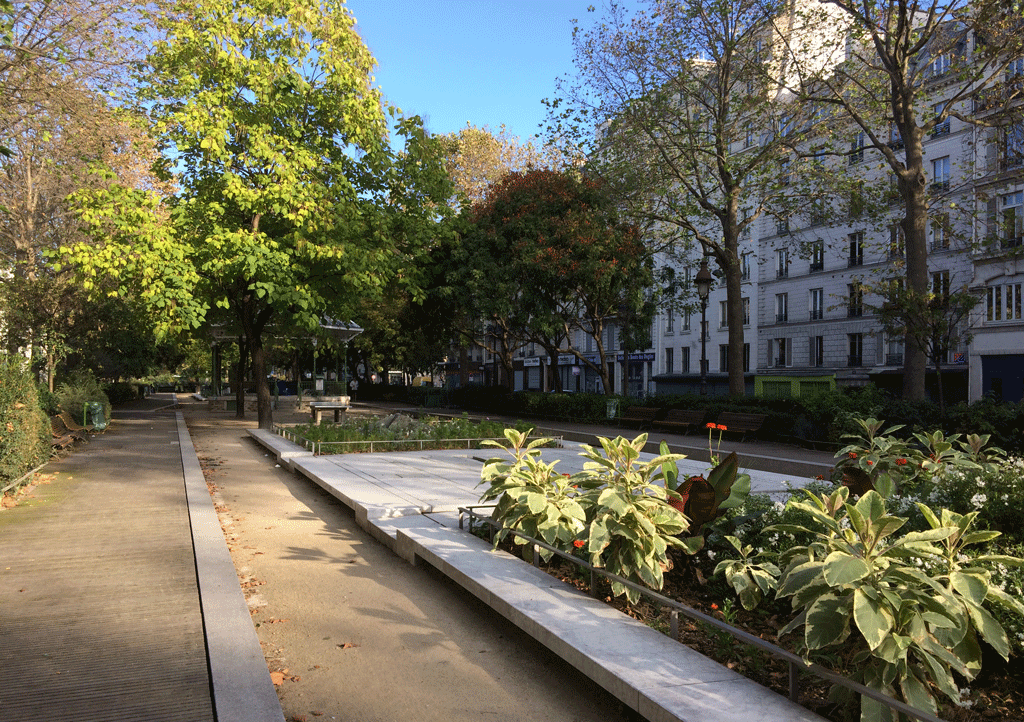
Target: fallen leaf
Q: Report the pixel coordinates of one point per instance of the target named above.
(347, 645)
(277, 678)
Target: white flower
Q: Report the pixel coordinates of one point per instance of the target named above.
(711, 554)
(978, 500)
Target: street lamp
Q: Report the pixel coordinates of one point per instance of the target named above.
(703, 281)
(315, 389)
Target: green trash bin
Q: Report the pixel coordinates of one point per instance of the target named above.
(612, 408)
(94, 416)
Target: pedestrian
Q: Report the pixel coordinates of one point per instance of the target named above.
(353, 387)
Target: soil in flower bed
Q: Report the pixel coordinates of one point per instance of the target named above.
(996, 694)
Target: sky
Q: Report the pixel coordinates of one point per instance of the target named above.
(488, 62)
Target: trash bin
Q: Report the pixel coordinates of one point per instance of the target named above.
(94, 415)
(612, 408)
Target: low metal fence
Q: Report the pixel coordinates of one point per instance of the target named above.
(795, 662)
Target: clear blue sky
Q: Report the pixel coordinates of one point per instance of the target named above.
(488, 62)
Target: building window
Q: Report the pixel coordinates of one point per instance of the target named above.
(1015, 68)
(893, 351)
(745, 266)
(941, 127)
(685, 322)
(857, 148)
(817, 304)
(782, 225)
(785, 178)
(856, 248)
(670, 322)
(856, 299)
(897, 241)
(781, 307)
(817, 351)
(782, 263)
(816, 212)
(723, 314)
(939, 65)
(1013, 146)
(746, 311)
(670, 360)
(940, 173)
(1012, 229)
(780, 352)
(856, 357)
(723, 358)
(818, 256)
(684, 359)
(1004, 302)
(940, 284)
(938, 230)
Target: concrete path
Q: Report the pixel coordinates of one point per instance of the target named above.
(102, 611)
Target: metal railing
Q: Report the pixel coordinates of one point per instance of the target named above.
(317, 447)
(795, 662)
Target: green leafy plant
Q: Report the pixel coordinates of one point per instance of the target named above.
(751, 580)
(531, 496)
(876, 459)
(701, 499)
(630, 524)
(24, 428)
(913, 631)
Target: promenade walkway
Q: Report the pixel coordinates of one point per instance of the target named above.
(103, 614)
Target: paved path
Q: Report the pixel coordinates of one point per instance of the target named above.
(101, 613)
(104, 614)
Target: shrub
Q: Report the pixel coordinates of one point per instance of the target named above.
(47, 400)
(81, 388)
(122, 392)
(24, 427)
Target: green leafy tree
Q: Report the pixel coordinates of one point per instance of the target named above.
(291, 204)
(548, 254)
(896, 72)
(674, 109)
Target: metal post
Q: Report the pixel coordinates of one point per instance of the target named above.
(703, 347)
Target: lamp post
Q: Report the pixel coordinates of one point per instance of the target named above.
(703, 282)
(315, 389)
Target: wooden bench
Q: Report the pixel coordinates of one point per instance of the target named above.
(682, 419)
(740, 423)
(639, 415)
(71, 423)
(61, 436)
(317, 409)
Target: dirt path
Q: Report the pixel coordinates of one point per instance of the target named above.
(355, 632)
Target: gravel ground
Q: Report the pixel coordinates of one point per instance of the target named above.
(351, 631)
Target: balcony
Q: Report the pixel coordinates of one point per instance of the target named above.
(940, 129)
(817, 314)
(894, 359)
(855, 261)
(854, 361)
(780, 363)
(781, 318)
(782, 273)
(855, 312)
(817, 266)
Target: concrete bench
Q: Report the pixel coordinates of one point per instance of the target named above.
(280, 447)
(317, 409)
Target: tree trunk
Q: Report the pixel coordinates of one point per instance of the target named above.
(915, 225)
(243, 353)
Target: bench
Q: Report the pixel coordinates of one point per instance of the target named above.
(740, 423)
(640, 415)
(71, 423)
(682, 419)
(317, 409)
(61, 436)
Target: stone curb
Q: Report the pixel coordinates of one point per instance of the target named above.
(241, 685)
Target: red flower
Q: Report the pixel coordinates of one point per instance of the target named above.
(578, 543)
(870, 462)
(901, 462)
(714, 607)
(712, 426)
(853, 454)
(721, 427)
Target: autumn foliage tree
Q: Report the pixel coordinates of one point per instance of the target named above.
(547, 257)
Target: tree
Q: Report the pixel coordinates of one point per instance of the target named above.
(291, 206)
(548, 255)
(675, 110)
(476, 158)
(897, 71)
(933, 323)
